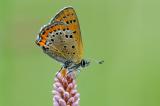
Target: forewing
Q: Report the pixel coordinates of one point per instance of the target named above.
(69, 17)
(62, 37)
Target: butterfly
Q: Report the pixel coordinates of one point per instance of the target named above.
(61, 39)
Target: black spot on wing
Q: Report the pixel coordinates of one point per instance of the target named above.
(66, 36)
(74, 32)
(70, 36)
(73, 46)
(74, 20)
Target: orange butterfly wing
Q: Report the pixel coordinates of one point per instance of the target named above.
(69, 17)
(65, 21)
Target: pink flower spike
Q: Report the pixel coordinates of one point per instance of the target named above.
(55, 80)
(75, 103)
(76, 97)
(55, 93)
(57, 84)
(60, 90)
(55, 103)
(73, 92)
(70, 87)
(65, 92)
(66, 95)
(56, 98)
(62, 102)
(71, 100)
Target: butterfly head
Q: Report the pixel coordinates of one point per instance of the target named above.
(72, 66)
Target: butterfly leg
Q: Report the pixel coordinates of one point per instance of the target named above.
(63, 71)
(59, 71)
(73, 68)
(67, 64)
(70, 71)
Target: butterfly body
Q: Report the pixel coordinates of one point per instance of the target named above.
(61, 38)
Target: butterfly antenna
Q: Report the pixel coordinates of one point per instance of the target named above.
(101, 62)
(96, 61)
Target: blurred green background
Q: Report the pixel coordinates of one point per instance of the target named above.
(125, 33)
